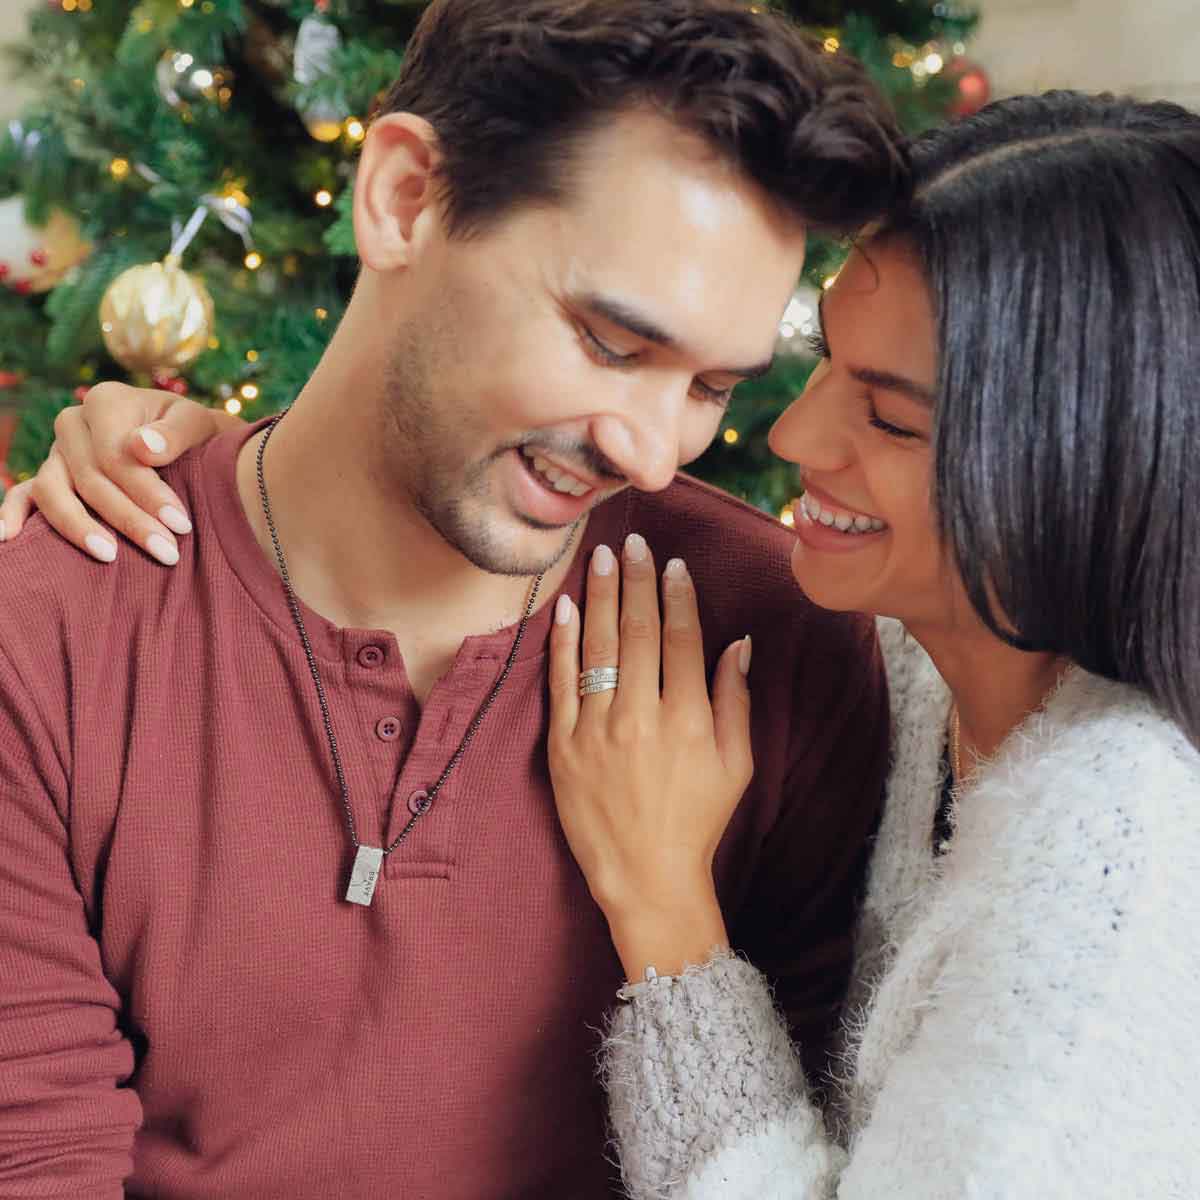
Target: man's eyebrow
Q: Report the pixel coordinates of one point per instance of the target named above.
(886, 381)
(643, 327)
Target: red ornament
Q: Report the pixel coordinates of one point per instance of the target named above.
(972, 87)
(3, 271)
(80, 393)
(39, 258)
(178, 386)
(321, 5)
(10, 379)
(23, 287)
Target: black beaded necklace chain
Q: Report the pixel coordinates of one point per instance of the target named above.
(368, 861)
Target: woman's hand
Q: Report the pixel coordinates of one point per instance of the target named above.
(646, 778)
(105, 454)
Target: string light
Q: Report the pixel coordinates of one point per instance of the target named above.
(788, 516)
(78, 84)
(253, 260)
(68, 5)
(321, 313)
(828, 282)
(85, 5)
(355, 130)
(249, 391)
(252, 356)
(731, 437)
(119, 168)
(832, 45)
(324, 198)
(186, 3)
(233, 406)
(214, 343)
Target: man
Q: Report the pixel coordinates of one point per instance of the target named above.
(286, 910)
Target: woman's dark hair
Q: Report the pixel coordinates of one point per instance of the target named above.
(1060, 236)
(512, 86)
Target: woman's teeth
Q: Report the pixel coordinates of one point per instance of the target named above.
(839, 519)
(560, 481)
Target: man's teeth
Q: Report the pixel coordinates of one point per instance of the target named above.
(839, 519)
(560, 481)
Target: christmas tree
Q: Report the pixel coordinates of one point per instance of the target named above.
(175, 207)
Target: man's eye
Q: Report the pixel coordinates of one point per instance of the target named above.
(606, 354)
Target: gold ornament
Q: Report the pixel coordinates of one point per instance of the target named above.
(156, 317)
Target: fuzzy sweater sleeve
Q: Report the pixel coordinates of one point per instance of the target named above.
(1034, 1036)
(700, 1063)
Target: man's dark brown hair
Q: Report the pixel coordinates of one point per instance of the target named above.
(511, 86)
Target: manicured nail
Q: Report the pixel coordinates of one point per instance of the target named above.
(603, 560)
(100, 547)
(677, 569)
(174, 519)
(166, 553)
(154, 440)
(3, 533)
(636, 548)
(744, 655)
(562, 610)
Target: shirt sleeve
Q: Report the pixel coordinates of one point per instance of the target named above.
(799, 919)
(66, 1124)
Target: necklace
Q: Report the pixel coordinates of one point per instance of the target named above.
(368, 860)
(956, 747)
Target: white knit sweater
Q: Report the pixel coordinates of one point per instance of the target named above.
(1028, 1023)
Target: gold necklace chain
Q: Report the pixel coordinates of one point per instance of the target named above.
(956, 747)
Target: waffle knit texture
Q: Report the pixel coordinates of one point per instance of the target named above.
(188, 1009)
(1023, 1016)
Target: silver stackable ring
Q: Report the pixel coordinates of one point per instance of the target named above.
(598, 679)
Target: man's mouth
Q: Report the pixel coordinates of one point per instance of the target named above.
(554, 476)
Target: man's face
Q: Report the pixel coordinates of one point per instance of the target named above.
(576, 350)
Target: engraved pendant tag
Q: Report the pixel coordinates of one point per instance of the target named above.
(367, 864)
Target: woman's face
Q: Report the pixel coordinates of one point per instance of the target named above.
(861, 435)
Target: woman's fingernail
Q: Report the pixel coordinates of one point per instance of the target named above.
(174, 519)
(155, 442)
(164, 551)
(636, 548)
(562, 610)
(3, 533)
(744, 655)
(603, 560)
(100, 547)
(677, 569)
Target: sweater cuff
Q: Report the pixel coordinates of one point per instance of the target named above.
(694, 1063)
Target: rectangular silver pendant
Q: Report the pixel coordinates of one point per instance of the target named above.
(368, 862)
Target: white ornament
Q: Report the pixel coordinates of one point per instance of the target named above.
(801, 320)
(37, 257)
(317, 41)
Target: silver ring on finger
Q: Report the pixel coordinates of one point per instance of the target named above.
(599, 679)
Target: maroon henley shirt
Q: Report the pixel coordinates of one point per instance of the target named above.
(189, 1010)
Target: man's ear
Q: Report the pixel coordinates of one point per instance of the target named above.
(394, 187)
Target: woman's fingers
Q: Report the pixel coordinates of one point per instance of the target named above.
(684, 680)
(15, 510)
(182, 426)
(564, 670)
(601, 643)
(126, 495)
(640, 651)
(731, 711)
(53, 491)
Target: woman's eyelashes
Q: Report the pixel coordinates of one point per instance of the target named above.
(609, 357)
(820, 348)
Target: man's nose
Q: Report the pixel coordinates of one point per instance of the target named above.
(643, 444)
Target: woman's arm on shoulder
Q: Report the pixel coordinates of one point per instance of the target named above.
(103, 471)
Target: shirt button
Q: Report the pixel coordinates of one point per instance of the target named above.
(388, 729)
(370, 657)
(419, 803)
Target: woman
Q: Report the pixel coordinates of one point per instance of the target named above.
(995, 452)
